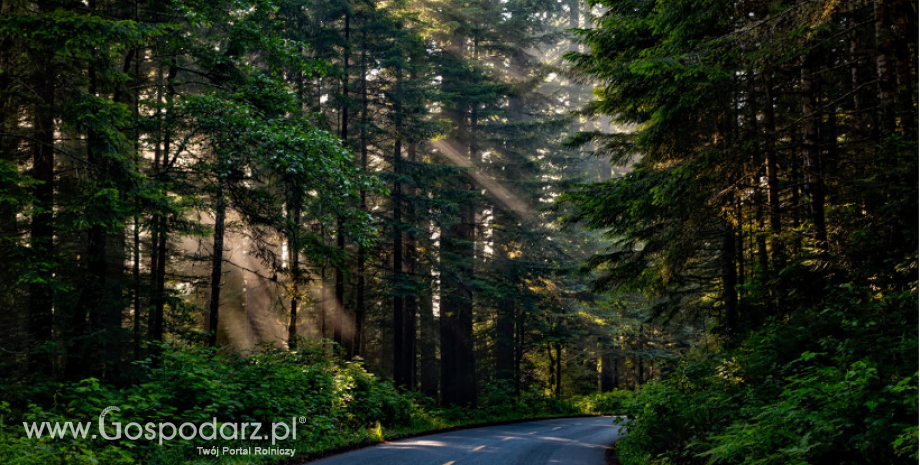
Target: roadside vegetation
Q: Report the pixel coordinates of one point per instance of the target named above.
(344, 406)
(775, 204)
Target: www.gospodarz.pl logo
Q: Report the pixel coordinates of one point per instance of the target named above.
(165, 431)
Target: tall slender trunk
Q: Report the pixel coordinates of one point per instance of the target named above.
(217, 261)
(769, 130)
(739, 244)
(41, 231)
(856, 82)
(93, 339)
(400, 343)
(294, 213)
(639, 371)
(458, 366)
(428, 363)
(10, 290)
(729, 278)
(519, 322)
(557, 392)
(883, 65)
(339, 317)
(323, 304)
(360, 286)
(339, 313)
(136, 233)
(905, 53)
(410, 256)
(504, 342)
(608, 370)
(814, 183)
(763, 263)
(161, 221)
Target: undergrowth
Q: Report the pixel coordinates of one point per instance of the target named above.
(342, 404)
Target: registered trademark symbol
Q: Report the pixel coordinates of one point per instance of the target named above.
(303, 420)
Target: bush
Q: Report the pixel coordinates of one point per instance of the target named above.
(604, 403)
(343, 405)
(198, 385)
(837, 384)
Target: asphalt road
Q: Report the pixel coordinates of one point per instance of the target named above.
(566, 441)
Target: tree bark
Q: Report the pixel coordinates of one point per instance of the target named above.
(608, 370)
(360, 285)
(400, 343)
(814, 183)
(769, 129)
(458, 367)
(217, 261)
(428, 369)
(42, 230)
(155, 318)
(340, 315)
(294, 213)
(729, 279)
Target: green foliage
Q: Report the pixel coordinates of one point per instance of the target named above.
(604, 403)
(758, 215)
(198, 385)
(342, 402)
(840, 389)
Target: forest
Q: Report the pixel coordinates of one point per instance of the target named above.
(396, 217)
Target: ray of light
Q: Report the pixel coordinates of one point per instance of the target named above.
(493, 188)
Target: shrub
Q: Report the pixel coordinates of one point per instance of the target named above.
(604, 403)
(834, 384)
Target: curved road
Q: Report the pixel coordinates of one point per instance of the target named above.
(564, 441)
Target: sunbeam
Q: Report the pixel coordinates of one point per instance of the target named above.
(494, 189)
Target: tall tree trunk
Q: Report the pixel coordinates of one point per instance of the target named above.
(639, 369)
(729, 279)
(294, 213)
(608, 370)
(504, 342)
(136, 232)
(856, 83)
(360, 285)
(814, 183)
(458, 379)
(340, 316)
(769, 130)
(458, 367)
(217, 261)
(763, 262)
(739, 244)
(161, 221)
(410, 256)
(102, 291)
(883, 64)
(400, 356)
(428, 369)
(519, 322)
(11, 320)
(557, 392)
(323, 304)
(905, 51)
(41, 231)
